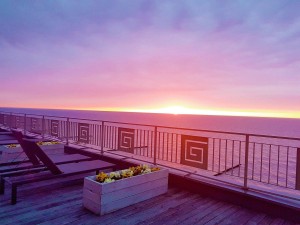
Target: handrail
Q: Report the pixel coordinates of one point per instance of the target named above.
(170, 127)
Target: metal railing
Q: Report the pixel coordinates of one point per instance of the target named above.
(271, 160)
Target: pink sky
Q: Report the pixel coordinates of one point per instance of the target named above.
(148, 55)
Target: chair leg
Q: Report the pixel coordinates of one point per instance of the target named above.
(13, 194)
(1, 185)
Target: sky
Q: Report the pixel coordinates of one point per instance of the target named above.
(185, 56)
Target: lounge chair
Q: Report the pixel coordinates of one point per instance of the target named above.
(18, 135)
(55, 171)
(21, 168)
(3, 130)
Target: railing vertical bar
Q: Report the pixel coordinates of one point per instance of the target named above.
(137, 140)
(68, 128)
(25, 123)
(140, 142)
(152, 143)
(144, 144)
(240, 148)
(10, 120)
(220, 145)
(95, 135)
(213, 155)
(158, 149)
(278, 160)
(43, 126)
(172, 144)
(261, 160)
(168, 135)
(107, 127)
(253, 159)
(232, 152)
(246, 163)
(147, 149)
(270, 152)
(226, 146)
(91, 133)
(176, 146)
(116, 138)
(106, 136)
(99, 135)
(155, 144)
(111, 137)
(163, 146)
(112, 131)
(287, 166)
(102, 137)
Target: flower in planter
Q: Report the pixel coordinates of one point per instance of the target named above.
(115, 175)
(154, 169)
(12, 146)
(108, 180)
(47, 143)
(126, 173)
(132, 171)
(148, 170)
(101, 177)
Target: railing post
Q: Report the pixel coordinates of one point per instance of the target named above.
(43, 126)
(68, 128)
(155, 144)
(25, 119)
(245, 187)
(102, 137)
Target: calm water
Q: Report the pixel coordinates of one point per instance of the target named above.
(269, 126)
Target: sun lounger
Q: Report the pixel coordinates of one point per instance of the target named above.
(6, 136)
(57, 159)
(5, 133)
(35, 165)
(54, 171)
(8, 142)
(3, 130)
(27, 168)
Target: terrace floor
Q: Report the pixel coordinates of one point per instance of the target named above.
(61, 203)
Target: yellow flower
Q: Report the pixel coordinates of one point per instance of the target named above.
(101, 177)
(154, 169)
(108, 180)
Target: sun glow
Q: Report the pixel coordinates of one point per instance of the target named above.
(177, 110)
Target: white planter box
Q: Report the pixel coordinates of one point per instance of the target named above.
(102, 198)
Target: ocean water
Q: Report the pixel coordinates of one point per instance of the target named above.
(254, 125)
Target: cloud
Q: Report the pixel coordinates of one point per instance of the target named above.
(216, 53)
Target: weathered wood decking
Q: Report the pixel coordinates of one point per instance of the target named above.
(61, 203)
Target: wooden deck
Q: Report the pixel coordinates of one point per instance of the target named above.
(61, 203)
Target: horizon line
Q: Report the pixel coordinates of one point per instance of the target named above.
(195, 112)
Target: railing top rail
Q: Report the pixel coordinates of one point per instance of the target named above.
(170, 127)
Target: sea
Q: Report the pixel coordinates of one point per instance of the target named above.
(254, 125)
